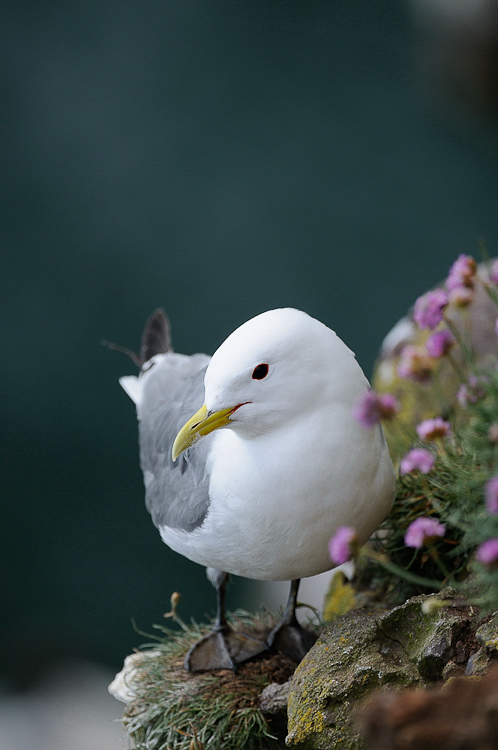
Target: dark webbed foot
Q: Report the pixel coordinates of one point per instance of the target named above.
(289, 636)
(291, 639)
(223, 648)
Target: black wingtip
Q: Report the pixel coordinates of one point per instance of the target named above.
(156, 338)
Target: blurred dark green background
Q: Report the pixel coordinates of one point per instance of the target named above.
(216, 159)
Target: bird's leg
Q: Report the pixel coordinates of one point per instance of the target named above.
(221, 588)
(222, 648)
(289, 636)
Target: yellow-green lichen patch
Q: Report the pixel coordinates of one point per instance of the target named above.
(358, 654)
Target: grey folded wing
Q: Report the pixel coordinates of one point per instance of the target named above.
(177, 493)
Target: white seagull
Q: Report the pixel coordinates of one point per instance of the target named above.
(265, 472)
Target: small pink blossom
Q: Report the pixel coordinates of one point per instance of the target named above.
(423, 531)
(493, 272)
(439, 343)
(374, 407)
(428, 311)
(493, 432)
(465, 396)
(487, 552)
(469, 393)
(491, 495)
(433, 429)
(496, 326)
(415, 364)
(418, 459)
(462, 273)
(343, 545)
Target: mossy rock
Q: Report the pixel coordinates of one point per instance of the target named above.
(487, 653)
(361, 652)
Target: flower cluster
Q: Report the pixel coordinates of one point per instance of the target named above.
(433, 429)
(444, 521)
(487, 552)
(423, 531)
(431, 312)
(429, 309)
(440, 343)
(462, 273)
(372, 408)
(491, 495)
(471, 391)
(418, 459)
(416, 364)
(493, 272)
(343, 545)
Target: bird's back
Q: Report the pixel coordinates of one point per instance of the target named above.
(168, 390)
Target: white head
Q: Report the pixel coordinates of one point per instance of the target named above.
(270, 370)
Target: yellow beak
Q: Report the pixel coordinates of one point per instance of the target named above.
(201, 424)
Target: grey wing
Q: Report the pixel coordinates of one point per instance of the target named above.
(176, 493)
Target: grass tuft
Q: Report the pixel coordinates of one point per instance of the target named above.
(175, 710)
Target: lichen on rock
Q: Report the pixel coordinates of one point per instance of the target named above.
(364, 651)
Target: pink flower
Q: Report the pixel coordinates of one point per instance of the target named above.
(462, 273)
(469, 393)
(343, 545)
(439, 343)
(496, 327)
(465, 396)
(493, 432)
(491, 495)
(418, 459)
(433, 429)
(414, 364)
(423, 531)
(493, 272)
(373, 407)
(487, 552)
(428, 311)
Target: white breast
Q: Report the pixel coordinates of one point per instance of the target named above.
(275, 502)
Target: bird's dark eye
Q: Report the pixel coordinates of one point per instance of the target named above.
(260, 372)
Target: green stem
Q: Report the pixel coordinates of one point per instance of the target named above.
(438, 389)
(402, 573)
(467, 333)
(466, 351)
(404, 433)
(489, 288)
(434, 556)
